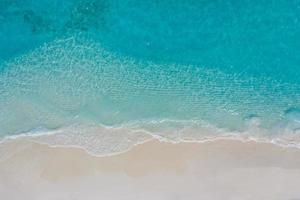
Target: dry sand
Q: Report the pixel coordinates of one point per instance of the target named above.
(224, 169)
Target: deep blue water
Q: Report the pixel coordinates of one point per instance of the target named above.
(225, 63)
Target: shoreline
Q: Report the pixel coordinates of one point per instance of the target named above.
(154, 169)
(65, 138)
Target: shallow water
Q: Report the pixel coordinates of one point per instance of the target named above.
(177, 69)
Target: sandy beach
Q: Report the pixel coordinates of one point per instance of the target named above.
(224, 169)
(149, 100)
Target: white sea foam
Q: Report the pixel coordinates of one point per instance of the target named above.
(101, 140)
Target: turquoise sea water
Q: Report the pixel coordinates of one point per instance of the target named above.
(196, 68)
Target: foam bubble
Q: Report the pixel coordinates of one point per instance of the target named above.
(292, 117)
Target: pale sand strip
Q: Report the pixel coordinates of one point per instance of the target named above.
(154, 170)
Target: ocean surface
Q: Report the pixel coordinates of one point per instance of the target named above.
(106, 74)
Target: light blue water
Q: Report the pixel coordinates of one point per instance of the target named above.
(178, 63)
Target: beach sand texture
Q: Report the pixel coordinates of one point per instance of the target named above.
(223, 169)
